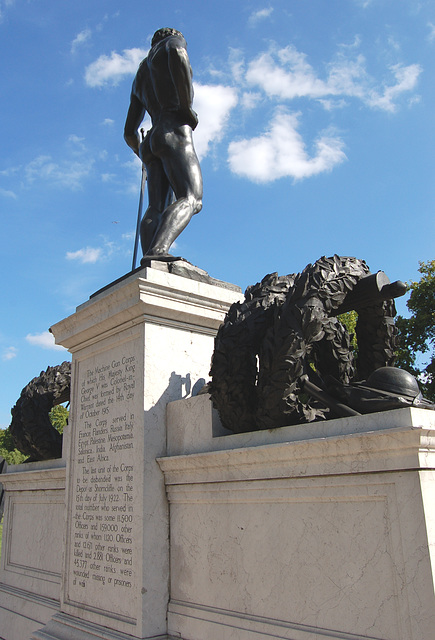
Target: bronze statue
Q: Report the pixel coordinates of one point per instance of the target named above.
(163, 88)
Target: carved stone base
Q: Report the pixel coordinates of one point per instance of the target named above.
(65, 627)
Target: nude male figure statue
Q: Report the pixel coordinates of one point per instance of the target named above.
(163, 88)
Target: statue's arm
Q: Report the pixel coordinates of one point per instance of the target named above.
(135, 115)
(181, 72)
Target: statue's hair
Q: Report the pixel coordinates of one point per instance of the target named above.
(163, 33)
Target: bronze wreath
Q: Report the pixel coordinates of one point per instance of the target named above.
(31, 429)
(285, 331)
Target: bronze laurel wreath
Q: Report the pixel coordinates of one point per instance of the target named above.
(286, 329)
(31, 428)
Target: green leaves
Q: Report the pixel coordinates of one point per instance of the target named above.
(8, 450)
(59, 417)
(417, 333)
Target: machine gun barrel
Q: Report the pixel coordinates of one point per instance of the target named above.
(342, 410)
(371, 290)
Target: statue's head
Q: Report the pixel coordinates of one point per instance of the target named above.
(161, 34)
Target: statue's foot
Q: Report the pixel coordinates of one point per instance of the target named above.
(161, 257)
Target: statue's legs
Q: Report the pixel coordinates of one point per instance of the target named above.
(158, 194)
(175, 150)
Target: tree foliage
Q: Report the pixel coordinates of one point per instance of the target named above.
(416, 352)
(59, 417)
(8, 450)
(349, 319)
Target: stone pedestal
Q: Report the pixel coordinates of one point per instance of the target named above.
(321, 531)
(136, 346)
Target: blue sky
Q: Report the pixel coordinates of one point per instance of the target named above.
(316, 137)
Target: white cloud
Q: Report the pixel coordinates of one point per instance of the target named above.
(406, 80)
(250, 99)
(89, 255)
(237, 65)
(333, 103)
(80, 39)
(77, 144)
(280, 152)
(111, 69)
(11, 171)
(298, 79)
(44, 340)
(214, 104)
(9, 353)
(7, 193)
(75, 139)
(261, 14)
(432, 31)
(4, 4)
(86, 255)
(393, 43)
(285, 74)
(286, 83)
(108, 122)
(67, 174)
(108, 177)
(347, 77)
(414, 100)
